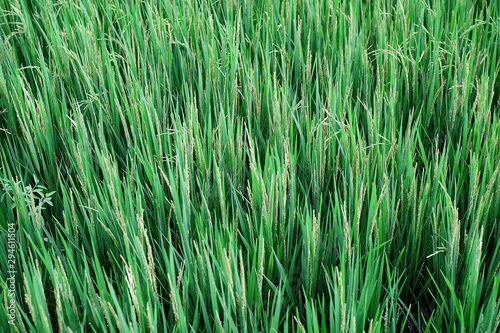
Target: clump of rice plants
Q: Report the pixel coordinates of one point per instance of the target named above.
(249, 166)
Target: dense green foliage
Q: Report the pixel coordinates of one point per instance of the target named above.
(198, 165)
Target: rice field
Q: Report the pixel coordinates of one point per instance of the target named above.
(249, 166)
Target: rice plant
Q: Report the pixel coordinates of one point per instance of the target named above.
(249, 166)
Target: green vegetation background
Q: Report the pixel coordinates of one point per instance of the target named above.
(194, 165)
